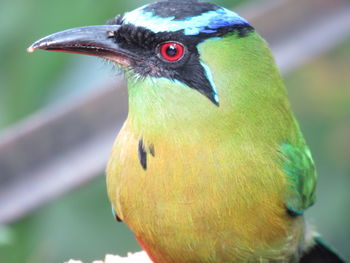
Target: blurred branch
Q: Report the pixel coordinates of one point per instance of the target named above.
(59, 149)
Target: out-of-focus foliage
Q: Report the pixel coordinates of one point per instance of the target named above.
(80, 225)
(27, 80)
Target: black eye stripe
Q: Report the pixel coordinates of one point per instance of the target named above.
(186, 68)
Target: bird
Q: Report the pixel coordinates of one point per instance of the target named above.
(210, 164)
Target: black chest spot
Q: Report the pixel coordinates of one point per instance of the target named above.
(143, 152)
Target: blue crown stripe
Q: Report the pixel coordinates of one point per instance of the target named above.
(207, 22)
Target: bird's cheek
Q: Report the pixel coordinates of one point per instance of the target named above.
(153, 69)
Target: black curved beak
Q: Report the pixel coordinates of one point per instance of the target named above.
(90, 40)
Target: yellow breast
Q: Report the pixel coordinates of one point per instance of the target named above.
(201, 199)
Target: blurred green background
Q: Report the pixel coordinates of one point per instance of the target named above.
(80, 225)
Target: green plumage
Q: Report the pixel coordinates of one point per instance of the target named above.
(298, 165)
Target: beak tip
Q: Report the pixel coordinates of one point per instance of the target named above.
(35, 46)
(40, 44)
(31, 49)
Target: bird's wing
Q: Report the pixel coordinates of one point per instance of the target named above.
(299, 167)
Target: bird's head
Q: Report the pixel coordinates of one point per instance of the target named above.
(180, 51)
(159, 40)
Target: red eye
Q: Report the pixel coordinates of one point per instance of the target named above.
(171, 51)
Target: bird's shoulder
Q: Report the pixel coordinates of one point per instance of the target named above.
(298, 165)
